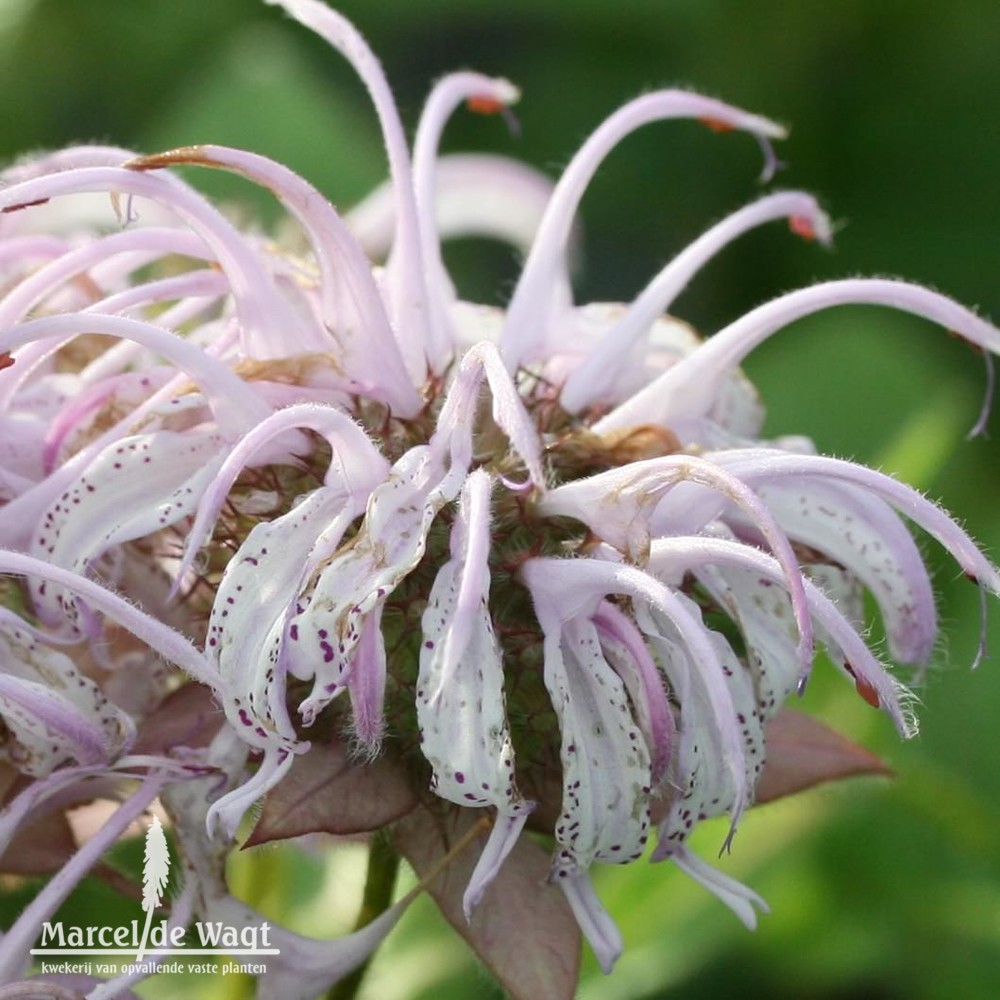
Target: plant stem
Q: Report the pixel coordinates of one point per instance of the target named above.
(380, 883)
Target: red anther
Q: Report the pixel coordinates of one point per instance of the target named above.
(483, 104)
(717, 124)
(802, 226)
(23, 204)
(5, 360)
(866, 690)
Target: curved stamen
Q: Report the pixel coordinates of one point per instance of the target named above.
(446, 96)
(596, 376)
(691, 386)
(984, 413)
(406, 268)
(529, 314)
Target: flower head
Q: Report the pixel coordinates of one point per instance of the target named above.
(541, 558)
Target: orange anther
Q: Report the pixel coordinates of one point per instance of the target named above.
(802, 226)
(5, 360)
(717, 124)
(483, 104)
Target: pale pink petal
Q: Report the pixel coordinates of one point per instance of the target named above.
(594, 379)
(598, 928)
(689, 389)
(461, 706)
(628, 654)
(532, 313)
(669, 556)
(407, 277)
(52, 713)
(742, 901)
(475, 194)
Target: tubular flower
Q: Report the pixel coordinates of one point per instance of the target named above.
(544, 552)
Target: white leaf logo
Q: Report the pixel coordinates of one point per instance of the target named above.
(155, 872)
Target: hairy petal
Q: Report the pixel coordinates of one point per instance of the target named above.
(669, 557)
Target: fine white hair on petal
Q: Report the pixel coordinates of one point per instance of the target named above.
(672, 555)
(765, 465)
(617, 506)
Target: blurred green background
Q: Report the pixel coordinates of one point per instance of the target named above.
(879, 890)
